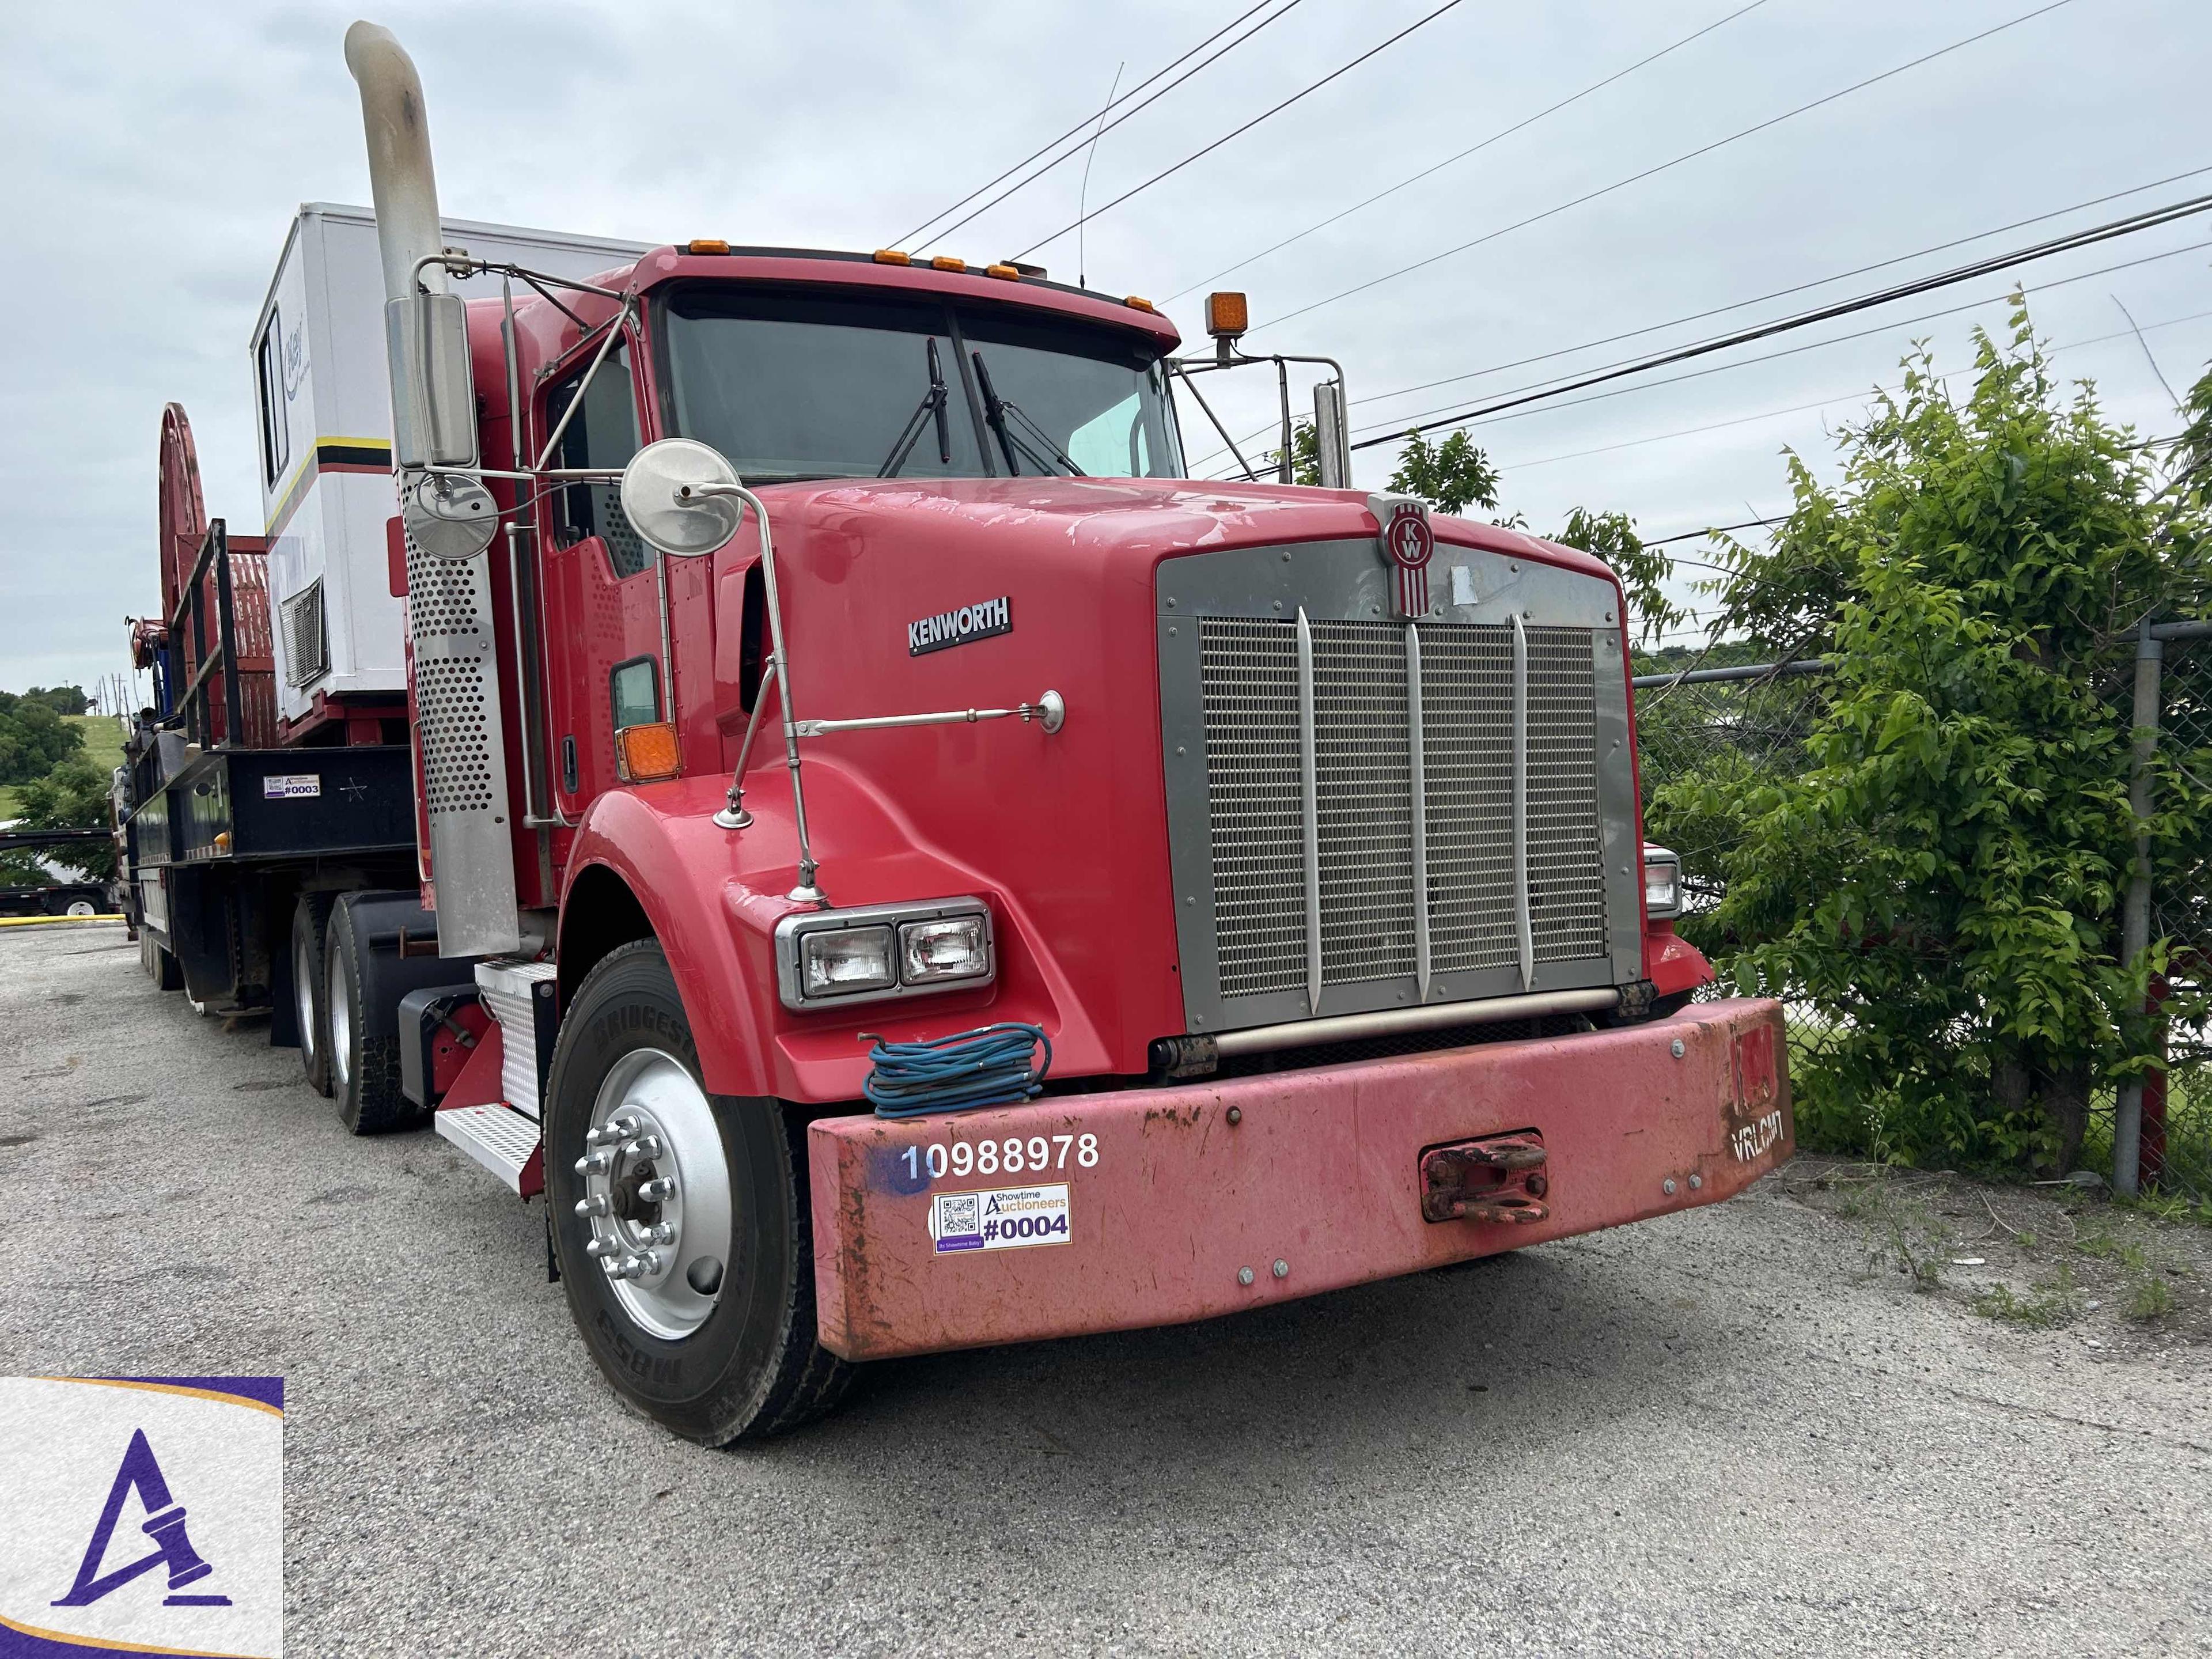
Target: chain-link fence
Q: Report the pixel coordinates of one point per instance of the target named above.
(1740, 727)
(2176, 1113)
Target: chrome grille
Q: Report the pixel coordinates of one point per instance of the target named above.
(1566, 881)
(1248, 678)
(1363, 775)
(1253, 800)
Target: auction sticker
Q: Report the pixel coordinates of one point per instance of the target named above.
(292, 786)
(1006, 1218)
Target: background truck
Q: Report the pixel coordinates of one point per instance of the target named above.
(892, 861)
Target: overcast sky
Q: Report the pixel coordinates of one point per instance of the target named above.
(156, 155)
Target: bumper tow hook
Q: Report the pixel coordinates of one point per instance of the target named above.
(1500, 1180)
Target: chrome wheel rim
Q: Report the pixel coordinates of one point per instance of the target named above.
(303, 993)
(341, 1031)
(656, 1198)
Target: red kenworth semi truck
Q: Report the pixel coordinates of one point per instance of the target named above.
(900, 867)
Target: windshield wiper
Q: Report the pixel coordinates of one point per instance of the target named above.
(995, 412)
(933, 402)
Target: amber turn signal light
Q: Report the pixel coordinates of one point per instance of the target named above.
(646, 754)
(1226, 315)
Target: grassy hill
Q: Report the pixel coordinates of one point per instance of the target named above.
(103, 747)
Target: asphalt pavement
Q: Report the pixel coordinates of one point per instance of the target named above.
(1715, 1432)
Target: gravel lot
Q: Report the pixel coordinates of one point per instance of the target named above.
(1720, 1432)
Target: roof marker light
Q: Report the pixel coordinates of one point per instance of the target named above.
(891, 256)
(946, 262)
(1004, 273)
(1137, 303)
(706, 244)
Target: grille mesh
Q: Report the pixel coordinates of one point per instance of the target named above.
(1255, 798)
(1249, 679)
(306, 637)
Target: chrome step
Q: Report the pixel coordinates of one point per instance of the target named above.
(497, 1137)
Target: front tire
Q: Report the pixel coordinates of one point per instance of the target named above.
(706, 1322)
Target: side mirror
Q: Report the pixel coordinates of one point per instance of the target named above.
(434, 395)
(673, 494)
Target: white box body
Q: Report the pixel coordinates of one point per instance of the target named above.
(323, 439)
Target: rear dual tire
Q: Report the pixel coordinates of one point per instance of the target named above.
(739, 1361)
(364, 1068)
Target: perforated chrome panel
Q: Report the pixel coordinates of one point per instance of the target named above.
(1235, 753)
(456, 693)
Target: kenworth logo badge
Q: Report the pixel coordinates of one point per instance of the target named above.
(949, 628)
(1408, 543)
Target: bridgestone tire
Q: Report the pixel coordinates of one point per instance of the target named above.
(365, 1077)
(754, 1368)
(311, 921)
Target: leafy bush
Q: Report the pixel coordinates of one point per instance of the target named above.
(73, 796)
(1941, 885)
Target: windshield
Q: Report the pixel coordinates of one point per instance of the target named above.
(799, 385)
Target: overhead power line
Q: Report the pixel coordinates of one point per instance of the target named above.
(1528, 406)
(1267, 114)
(1066, 155)
(1830, 340)
(2147, 220)
(1818, 403)
(1082, 126)
(1503, 133)
(1780, 293)
(1663, 166)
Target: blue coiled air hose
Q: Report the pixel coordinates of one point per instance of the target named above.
(991, 1065)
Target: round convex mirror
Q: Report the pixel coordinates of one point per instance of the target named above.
(660, 497)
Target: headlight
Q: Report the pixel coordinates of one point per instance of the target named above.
(848, 959)
(826, 958)
(1662, 882)
(951, 948)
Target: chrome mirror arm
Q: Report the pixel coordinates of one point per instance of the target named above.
(809, 890)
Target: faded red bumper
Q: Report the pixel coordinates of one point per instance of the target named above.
(1311, 1178)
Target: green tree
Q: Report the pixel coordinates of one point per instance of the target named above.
(73, 796)
(62, 699)
(1451, 477)
(32, 737)
(1940, 887)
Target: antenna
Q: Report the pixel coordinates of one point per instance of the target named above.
(1083, 196)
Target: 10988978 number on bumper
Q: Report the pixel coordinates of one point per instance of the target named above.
(1177, 1203)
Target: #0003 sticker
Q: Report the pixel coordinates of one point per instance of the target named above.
(1006, 1218)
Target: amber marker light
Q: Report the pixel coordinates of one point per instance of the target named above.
(1004, 273)
(1137, 303)
(946, 262)
(706, 244)
(891, 256)
(646, 754)
(1226, 315)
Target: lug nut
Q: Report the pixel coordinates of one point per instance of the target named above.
(655, 1190)
(645, 1146)
(646, 1263)
(600, 1137)
(614, 1268)
(661, 1232)
(598, 1248)
(593, 1163)
(595, 1205)
(622, 1128)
